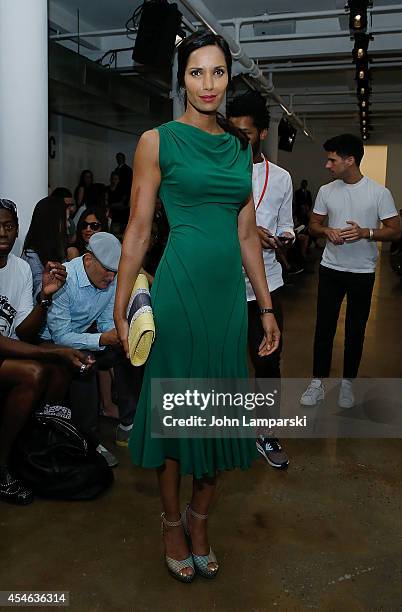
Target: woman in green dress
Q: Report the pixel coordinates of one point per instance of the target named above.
(202, 167)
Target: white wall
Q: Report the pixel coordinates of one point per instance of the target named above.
(81, 145)
(394, 172)
(306, 161)
(374, 163)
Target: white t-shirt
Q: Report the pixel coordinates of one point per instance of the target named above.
(16, 301)
(274, 213)
(367, 203)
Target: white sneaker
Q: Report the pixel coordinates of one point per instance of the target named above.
(106, 454)
(313, 394)
(346, 398)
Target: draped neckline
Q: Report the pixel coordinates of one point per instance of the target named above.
(199, 129)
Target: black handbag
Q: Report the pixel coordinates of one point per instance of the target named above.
(58, 462)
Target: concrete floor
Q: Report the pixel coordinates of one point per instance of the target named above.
(325, 535)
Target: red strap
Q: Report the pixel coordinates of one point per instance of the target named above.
(265, 184)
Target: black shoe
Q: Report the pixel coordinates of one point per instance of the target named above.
(13, 490)
(273, 452)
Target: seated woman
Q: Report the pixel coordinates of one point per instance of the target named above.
(84, 194)
(92, 220)
(71, 209)
(46, 239)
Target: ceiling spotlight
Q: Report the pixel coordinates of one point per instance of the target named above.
(361, 46)
(363, 92)
(364, 104)
(364, 122)
(358, 15)
(365, 137)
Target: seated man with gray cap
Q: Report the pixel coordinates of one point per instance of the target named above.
(81, 317)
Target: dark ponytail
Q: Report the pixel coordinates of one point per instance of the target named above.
(204, 38)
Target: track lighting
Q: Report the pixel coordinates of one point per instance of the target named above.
(361, 45)
(358, 15)
(358, 22)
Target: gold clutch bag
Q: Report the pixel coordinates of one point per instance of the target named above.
(141, 333)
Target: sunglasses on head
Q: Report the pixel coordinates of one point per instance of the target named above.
(94, 225)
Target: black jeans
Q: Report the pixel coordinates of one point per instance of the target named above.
(332, 287)
(265, 367)
(84, 396)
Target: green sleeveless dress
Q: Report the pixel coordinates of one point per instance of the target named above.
(198, 296)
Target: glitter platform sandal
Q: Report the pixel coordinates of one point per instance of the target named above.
(201, 562)
(176, 567)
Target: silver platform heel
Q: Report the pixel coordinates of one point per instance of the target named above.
(200, 561)
(174, 566)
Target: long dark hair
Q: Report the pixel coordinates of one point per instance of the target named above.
(80, 244)
(47, 234)
(81, 183)
(204, 38)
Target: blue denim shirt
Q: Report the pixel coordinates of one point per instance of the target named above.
(76, 306)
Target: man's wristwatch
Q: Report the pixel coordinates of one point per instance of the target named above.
(44, 302)
(371, 234)
(266, 311)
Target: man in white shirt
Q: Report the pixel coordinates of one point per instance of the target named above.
(273, 193)
(354, 207)
(30, 375)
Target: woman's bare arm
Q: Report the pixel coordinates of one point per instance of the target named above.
(146, 181)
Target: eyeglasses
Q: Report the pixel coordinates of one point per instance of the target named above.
(94, 225)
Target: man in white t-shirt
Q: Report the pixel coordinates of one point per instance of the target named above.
(273, 194)
(354, 208)
(30, 375)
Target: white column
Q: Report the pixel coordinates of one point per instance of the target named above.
(23, 106)
(270, 144)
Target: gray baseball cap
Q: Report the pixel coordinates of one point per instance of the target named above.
(107, 250)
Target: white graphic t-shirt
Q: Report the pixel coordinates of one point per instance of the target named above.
(16, 301)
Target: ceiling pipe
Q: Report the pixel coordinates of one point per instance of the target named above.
(105, 33)
(199, 10)
(321, 68)
(315, 35)
(266, 17)
(239, 21)
(341, 63)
